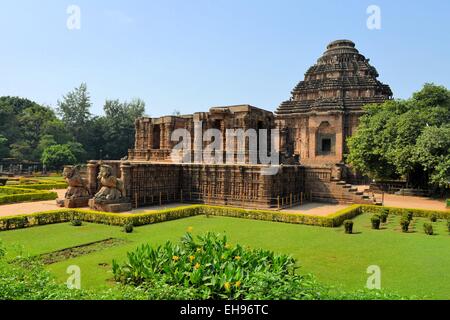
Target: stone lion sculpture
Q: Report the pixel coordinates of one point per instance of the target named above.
(112, 188)
(77, 186)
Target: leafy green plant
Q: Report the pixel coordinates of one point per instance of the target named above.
(433, 218)
(25, 278)
(404, 223)
(428, 228)
(376, 221)
(448, 225)
(128, 228)
(212, 268)
(348, 225)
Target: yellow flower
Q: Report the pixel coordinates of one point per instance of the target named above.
(227, 246)
(191, 258)
(190, 229)
(227, 286)
(199, 249)
(237, 257)
(175, 258)
(238, 284)
(197, 266)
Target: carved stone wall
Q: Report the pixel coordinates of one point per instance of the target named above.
(239, 185)
(153, 135)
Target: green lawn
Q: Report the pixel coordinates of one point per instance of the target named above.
(411, 264)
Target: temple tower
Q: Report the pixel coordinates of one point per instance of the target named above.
(325, 107)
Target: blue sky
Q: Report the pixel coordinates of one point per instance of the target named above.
(191, 55)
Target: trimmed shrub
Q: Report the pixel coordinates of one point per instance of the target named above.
(441, 214)
(66, 215)
(15, 195)
(404, 222)
(128, 228)
(433, 218)
(448, 225)
(45, 186)
(384, 215)
(76, 223)
(333, 220)
(114, 219)
(409, 215)
(376, 221)
(348, 224)
(428, 228)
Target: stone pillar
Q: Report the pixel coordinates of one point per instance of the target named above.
(125, 169)
(92, 176)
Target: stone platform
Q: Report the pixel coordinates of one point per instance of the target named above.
(73, 203)
(110, 206)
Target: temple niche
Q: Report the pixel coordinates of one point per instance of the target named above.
(325, 107)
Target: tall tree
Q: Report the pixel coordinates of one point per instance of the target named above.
(55, 157)
(405, 138)
(4, 148)
(119, 126)
(74, 110)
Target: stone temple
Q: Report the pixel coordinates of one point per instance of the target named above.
(314, 124)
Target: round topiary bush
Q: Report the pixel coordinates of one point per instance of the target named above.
(384, 216)
(76, 222)
(409, 215)
(428, 228)
(404, 222)
(128, 228)
(348, 224)
(433, 218)
(376, 221)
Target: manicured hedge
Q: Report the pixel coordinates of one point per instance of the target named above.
(65, 215)
(400, 211)
(27, 183)
(45, 186)
(333, 220)
(14, 195)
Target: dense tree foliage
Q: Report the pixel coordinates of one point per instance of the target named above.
(28, 128)
(29, 131)
(406, 139)
(119, 126)
(55, 157)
